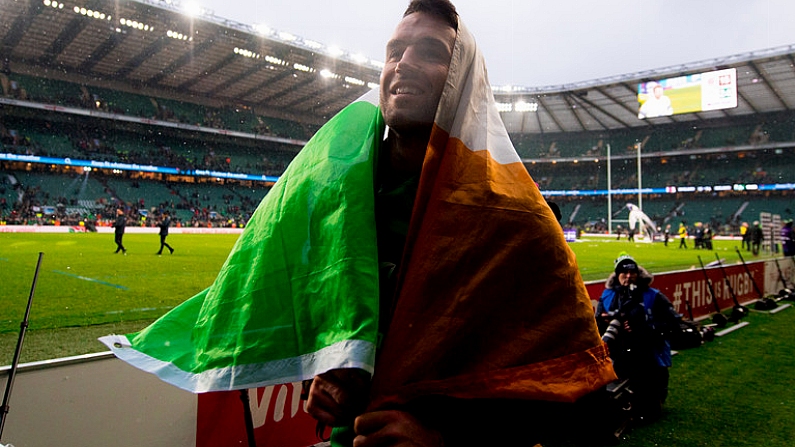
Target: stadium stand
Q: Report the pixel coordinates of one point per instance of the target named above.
(95, 117)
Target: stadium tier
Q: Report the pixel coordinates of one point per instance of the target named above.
(94, 117)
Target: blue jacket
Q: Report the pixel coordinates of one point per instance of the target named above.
(662, 350)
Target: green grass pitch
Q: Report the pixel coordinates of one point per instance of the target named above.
(736, 391)
(82, 282)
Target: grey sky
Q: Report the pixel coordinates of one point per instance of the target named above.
(541, 43)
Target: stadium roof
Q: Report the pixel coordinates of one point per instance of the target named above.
(765, 83)
(154, 48)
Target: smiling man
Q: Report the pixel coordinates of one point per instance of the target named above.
(417, 61)
(458, 358)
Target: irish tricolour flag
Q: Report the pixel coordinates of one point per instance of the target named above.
(490, 302)
(298, 294)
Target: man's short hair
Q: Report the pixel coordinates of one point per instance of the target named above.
(439, 8)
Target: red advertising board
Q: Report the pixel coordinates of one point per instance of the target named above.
(279, 415)
(691, 286)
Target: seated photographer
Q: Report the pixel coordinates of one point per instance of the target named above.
(636, 320)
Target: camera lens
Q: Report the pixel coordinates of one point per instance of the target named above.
(612, 330)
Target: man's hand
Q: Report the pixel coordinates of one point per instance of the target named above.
(336, 397)
(393, 428)
(627, 327)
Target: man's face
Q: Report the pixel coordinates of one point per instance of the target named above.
(417, 59)
(658, 92)
(627, 277)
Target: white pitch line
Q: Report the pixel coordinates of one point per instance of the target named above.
(731, 329)
(780, 308)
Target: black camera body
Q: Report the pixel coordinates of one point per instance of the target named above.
(632, 312)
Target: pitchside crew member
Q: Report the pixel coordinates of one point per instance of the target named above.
(164, 223)
(118, 225)
(640, 319)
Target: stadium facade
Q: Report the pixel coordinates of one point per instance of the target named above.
(137, 105)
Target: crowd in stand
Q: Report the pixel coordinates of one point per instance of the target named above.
(96, 143)
(216, 118)
(33, 205)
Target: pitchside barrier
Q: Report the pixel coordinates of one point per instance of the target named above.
(99, 401)
(691, 286)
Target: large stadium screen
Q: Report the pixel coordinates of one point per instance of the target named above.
(698, 92)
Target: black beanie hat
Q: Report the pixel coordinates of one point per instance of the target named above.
(625, 262)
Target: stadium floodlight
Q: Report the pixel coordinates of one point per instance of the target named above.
(373, 85)
(312, 44)
(328, 74)
(287, 37)
(354, 81)
(275, 60)
(248, 53)
(132, 23)
(192, 9)
(263, 30)
(502, 88)
(334, 51)
(504, 107)
(359, 58)
(523, 106)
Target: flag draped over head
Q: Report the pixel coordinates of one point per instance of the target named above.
(490, 303)
(298, 294)
(490, 300)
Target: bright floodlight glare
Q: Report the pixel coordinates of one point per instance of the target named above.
(192, 9)
(358, 57)
(335, 51)
(287, 36)
(262, 29)
(313, 44)
(504, 107)
(522, 106)
(354, 81)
